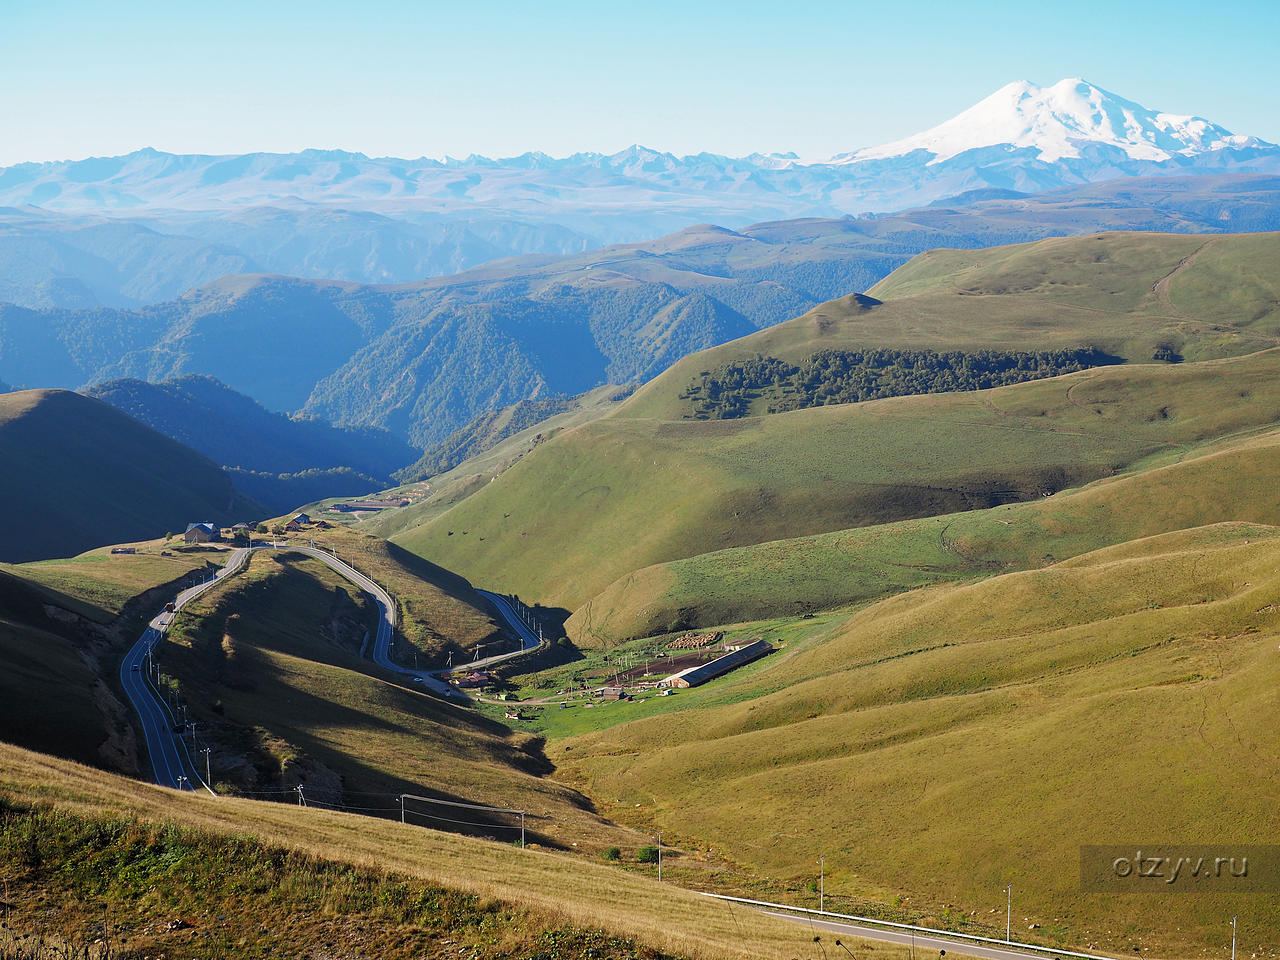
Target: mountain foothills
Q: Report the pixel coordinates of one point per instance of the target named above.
(86, 474)
(992, 480)
(423, 360)
(128, 258)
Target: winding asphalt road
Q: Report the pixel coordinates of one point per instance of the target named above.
(170, 762)
(386, 619)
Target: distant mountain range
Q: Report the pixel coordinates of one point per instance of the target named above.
(147, 226)
(423, 360)
(51, 259)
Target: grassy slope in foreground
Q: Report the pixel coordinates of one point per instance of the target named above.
(951, 740)
(86, 474)
(1233, 481)
(111, 877)
(620, 494)
(556, 889)
(1124, 293)
(269, 663)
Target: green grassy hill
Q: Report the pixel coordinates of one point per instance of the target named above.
(496, 453)
(86, 474)
(940, 744)
(1223, 482)
(619, 494)
(1130, 295)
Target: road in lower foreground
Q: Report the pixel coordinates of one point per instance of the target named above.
(921, 941)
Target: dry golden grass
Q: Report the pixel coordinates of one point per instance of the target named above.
(950, 740)
(559, 887)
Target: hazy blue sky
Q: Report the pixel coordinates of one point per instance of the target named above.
(86, 78)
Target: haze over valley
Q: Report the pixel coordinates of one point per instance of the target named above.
(694, 553)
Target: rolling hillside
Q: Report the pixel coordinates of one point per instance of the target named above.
(236, 431)
(274, 873)
(1133, 296)
(61, 626)
(280, 461)
(270, 664)
(87, 474)
(538, 327)
(962, 737)
(618, 494)
(1220, 483)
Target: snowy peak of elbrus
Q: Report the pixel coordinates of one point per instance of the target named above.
(1056, 122)
(1023, 137)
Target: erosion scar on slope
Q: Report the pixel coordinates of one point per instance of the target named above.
(1161, 287)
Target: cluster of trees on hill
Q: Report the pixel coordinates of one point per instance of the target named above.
(769, 385)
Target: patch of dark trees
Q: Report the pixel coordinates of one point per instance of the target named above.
(852, 376)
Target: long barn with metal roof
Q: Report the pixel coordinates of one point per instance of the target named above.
(693, 676)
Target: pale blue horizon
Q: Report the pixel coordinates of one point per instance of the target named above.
(499, 78)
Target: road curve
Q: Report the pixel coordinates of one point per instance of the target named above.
(387, 626)
(170, 762)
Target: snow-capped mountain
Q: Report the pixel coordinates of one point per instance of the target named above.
(1057, 121)
(345, 215)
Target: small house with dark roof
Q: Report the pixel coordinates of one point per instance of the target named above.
(202, 532)
(297, 522)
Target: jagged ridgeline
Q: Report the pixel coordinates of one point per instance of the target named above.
(768, 385)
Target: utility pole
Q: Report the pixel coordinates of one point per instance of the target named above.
(402, 808)
(822, 884)
(208, 777)
(302, 802)
(659, 858)
(1008, 914)
(1233, 936)
(522, 838)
